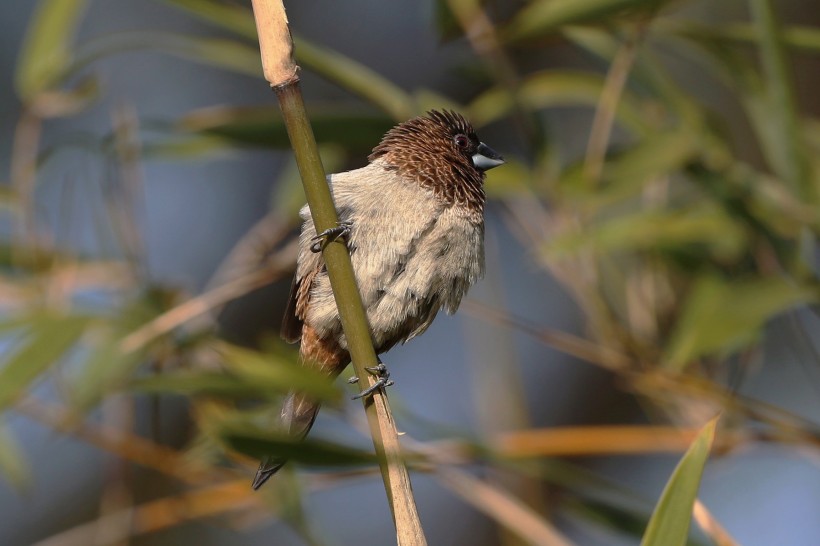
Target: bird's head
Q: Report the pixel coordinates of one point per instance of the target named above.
(441, 152)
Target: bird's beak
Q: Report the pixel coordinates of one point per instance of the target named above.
(486, 158)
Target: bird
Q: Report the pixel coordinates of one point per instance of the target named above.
(413, 222)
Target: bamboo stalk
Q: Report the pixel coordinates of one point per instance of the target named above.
(282, 73)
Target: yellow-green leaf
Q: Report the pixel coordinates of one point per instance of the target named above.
(356, 78)
(236, 18)
(225, 54)
(551, 88)
(654, 230)
(669, 524)
(263, 126)
(277, 372)
(723, 315)
(47, 50)
(341, 70)
(544, 16)
(48, 339)
(787, 151)
(256, 442)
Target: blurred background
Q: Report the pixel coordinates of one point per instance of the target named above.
(651, 264)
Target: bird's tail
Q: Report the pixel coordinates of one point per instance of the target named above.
(298, 414)
(299, 410)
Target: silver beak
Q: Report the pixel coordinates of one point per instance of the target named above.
(486, 158)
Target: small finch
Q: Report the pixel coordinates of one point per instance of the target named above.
(413, 221)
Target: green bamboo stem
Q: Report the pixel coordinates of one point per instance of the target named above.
(282, 73)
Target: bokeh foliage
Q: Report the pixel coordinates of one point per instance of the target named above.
(678, 245)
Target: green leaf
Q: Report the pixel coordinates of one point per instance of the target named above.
(107, 366)
(447, 26)
(232, 17)
(249, 375)
(648, 72)
(339, 69)
(47, 340)
(669, 524)
(768, 98)
(787, 151)
(723, 315)
(356, 78)
(657, 230)
(13, 461)
(289, 195)
(514, 179)
(47, 51)
(188, 146)
(263, 126)
(188, 383)
(551, 88)
(542, 17)
(217, 52)
(270, 371)
(259, 443)
(800, 38)
(626, 173)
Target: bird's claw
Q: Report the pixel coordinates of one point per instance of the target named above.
(321, 240)
(383, 380)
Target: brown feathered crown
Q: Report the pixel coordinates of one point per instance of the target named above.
(435, 151)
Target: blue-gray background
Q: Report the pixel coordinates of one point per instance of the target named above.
(194, 211)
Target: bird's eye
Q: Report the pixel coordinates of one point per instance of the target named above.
(462, 141)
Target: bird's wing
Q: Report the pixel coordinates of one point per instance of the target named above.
(309, 265)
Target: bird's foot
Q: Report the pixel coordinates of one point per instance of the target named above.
(383, 380)
(321, 240)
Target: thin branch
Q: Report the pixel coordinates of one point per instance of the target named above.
(202, 304)
(24, 178)
(602, 124)
(565, 342)
(507, 510)
(160, 514)
(711, 526)
(124, 445)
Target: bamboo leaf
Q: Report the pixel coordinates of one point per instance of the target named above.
(271, 371)
(768, 98)
(446, 24)
(188, 383)
(356, 78)
(627, 172)
(551, 88)
(657, 230)
(263, 126)
(797, 37)
(723, 315)
(232, 17)
(669, 524)
(217, 52)
(787, 149)
(48, 339)
(541, 17)
(514, 179)
(47, 49)
(106, 365)
(341, 70)
(188, 146)
(259, 443)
